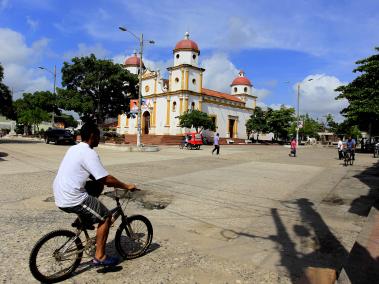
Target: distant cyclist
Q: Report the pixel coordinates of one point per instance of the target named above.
(350, 146)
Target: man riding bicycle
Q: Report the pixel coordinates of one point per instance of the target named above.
(74, 194)
(350, 146)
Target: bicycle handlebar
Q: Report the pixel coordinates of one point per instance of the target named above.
(120, 193)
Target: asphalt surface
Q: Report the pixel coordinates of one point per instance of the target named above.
(251, 215)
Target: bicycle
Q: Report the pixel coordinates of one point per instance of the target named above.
(376, 151)
(133, 238)
(347, 158)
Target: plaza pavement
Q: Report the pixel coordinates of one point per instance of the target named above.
(252, 215)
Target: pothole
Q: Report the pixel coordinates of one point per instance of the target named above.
(333, 200)
(152, 200)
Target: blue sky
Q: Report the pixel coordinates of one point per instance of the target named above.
(277, 43)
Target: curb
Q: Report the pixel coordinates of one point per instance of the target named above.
(130, 148)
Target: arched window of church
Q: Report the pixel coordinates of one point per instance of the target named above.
(177, 56)
(245, 89)
(194, 81)
(173, 106)
(177, 80)
(235, 89)
(194, 56)
(192, 105)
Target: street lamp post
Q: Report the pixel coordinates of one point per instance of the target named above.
(298, 112)
(13, 123)
(139, 115)
(54, 91)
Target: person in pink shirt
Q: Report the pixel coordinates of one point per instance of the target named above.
(293, 147)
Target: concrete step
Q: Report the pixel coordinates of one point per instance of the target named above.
(362, 265)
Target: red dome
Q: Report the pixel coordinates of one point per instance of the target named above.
(133, 61)
(241, 80)
(187, 44)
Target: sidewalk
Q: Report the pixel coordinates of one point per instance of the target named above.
(363, 262)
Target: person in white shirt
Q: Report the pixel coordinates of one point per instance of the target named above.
(216, 143)
(340, 148)
(74, 194)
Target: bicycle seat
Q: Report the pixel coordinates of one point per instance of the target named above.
(80, 225)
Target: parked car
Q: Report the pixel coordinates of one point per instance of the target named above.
(59, 135)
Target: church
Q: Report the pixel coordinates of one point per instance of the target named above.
(164, 100)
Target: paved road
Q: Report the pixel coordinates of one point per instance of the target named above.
(252, 215)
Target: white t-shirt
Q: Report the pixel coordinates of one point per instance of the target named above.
(79, 162)
(340, 145)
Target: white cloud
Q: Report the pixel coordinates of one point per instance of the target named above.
(19, 61)
(14, 49)
(33, 24)
(317, 96)
(261, 93)
(22, 80)
(219, 72)
(85, 50)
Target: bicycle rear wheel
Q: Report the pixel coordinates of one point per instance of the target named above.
(346, 161)
(55, 256)
(134, 237)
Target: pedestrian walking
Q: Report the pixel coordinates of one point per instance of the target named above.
(340, 148)
(293, 148)
(216, 144)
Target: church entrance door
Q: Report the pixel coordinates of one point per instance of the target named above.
(231, 128)
(146, 122)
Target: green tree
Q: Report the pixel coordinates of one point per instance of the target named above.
(346, 128)
(67, 120)
(363, 95)
(279, 121)
(196, 119)
(331, 125)
(309, 129)
(257, 123)
(5, 97)
(32, 109)
(96, 88)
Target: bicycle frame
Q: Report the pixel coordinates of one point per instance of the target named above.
(116, 213)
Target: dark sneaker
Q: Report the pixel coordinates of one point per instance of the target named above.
(108, 261)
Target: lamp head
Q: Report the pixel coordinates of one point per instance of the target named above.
(122, 29)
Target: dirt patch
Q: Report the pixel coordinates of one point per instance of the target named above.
(152, 199)
(333, 199)
(49, 199)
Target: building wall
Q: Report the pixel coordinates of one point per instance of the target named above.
(133, 70)
(169, 124)
(223, 114)
(148, 86)
(174, 84)
(194, 75)
(186, 57)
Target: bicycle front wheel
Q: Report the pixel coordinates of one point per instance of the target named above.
(55, 256)
(134, 237)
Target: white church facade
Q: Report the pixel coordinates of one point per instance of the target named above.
(165, 100)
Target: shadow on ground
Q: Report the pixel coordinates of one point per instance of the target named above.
(362, 205)
(2, 155)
